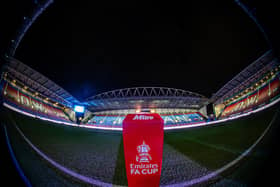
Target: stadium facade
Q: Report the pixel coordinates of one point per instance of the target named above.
(27, 91)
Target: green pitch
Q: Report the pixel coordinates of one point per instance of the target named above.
(99, 154)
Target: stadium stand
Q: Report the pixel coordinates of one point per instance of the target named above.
(22, 100)
(182, 119)
(107, 120)
(259, 93)
(25, 89)
(173, 119)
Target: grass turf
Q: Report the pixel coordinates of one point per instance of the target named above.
(212, 146)
(85, 151)
(215, 146)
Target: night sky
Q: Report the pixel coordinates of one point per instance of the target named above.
(91, 47)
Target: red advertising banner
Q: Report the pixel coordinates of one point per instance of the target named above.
(143, 145)
(274, 87)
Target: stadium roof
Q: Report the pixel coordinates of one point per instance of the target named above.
(246, 77)
(146, 97)
(38, 82)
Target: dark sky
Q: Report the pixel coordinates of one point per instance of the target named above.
(91, 47)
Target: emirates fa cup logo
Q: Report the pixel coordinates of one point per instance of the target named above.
(143, 153)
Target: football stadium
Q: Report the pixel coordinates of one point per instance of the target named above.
(54, 139)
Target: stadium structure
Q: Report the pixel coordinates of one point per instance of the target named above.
(45, 133)
(28, 91)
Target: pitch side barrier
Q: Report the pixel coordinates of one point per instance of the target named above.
(165, 128)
